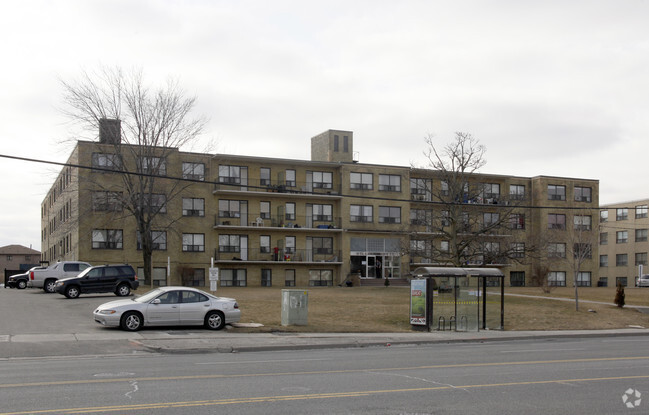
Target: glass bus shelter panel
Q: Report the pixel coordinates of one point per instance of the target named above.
(468, 304)
(492, 317)
(443, 303)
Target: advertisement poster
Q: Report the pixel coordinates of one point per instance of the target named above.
(418, 302)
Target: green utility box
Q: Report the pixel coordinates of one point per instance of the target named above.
(295, 305)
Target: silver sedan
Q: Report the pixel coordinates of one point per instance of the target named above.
(169, 306)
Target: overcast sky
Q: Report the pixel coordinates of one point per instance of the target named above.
(554, 88)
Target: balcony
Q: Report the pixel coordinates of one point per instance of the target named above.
(320, 222)
(232, 184)
(283, 255)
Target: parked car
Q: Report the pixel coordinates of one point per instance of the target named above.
(118, 279)
(169, 306)
(46, 278)
(20, 280)
(643, 281)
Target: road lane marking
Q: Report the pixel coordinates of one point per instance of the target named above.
(330, 395)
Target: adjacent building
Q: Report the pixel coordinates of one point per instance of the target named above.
(18, 258)
(623, 242)
(320, 222)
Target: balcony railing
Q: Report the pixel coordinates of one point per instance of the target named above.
(276, 186)
(282, 221)
(282, 255)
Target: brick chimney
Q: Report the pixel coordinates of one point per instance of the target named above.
(110, 131)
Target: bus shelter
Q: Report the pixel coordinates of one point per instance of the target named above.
(444, 298)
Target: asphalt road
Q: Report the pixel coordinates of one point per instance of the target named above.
(560, 376)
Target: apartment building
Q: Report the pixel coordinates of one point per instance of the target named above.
(280, 222)
(623, 242)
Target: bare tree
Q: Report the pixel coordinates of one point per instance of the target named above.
(476, 222)
(142, 125)
(581, 238)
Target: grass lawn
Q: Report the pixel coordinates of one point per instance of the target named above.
(385, 309)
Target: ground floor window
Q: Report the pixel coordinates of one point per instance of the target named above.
(583, 279)
(621, 280)
(493, 282)
(193, 277)
(321, 277)
(266, 278)
(517, 279)
(557, 278)
(233, 277)
(159, 276)
(289, 278)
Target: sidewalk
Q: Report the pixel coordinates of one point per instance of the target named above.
(113, 342)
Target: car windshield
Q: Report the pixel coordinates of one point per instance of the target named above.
(149, 296)
(84, 272)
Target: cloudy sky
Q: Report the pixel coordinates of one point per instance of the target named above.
(550, 88)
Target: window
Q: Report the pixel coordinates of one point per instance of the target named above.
(444, 246)
(159, 276)
(233, 277)
(322, 180)
(556, 221)
(389, 183)
(336, 143)
(444, 188)
(557, 278)
(556, 192)
(324, 246)
(346, 144)
(420, 189)
(641, 235)
(194, 171)
(152, 165)
(106, 161)
(289, 178)
(266, 278)
(194, 277)
(621, 237)
(517, 279)
(517, 221)
(490, 191)
(289, 244)
(419, 217)
(518, 250)
(106, 201)
(229, 243)
(230, 174)
(621, 214)
(640, 258)
(320, 278)
(420, 248)
(158, 240)
(264, 176)
(264, 210)
(603, 216)
(620, 281)
(193, 207)
(603, 238)
(154, 203)
(603, 260)
(389, 214)
(360, 213)
(290, 211)
(107, 239)
(491, 252)
(490, 219)
(229, 208)
(582, 194)
(193, 242)
(323, 213)
(264, 244)
(582, 250)
(516, 192)
(556, 250)
(289, 278)
(361, 181)
(641, 212)
(583, 279)
(621, 260)
(582, 223)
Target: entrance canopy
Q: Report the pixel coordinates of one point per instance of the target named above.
(457, 298)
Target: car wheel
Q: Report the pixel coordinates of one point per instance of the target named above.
(49, 286)
(131, 321)
(214, 320)
(22, 284)
(123, 290)
(72, 291)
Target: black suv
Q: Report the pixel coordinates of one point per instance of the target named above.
(118, 279)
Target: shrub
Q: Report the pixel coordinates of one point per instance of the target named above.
(619, 295)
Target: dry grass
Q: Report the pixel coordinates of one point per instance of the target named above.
(381, 309)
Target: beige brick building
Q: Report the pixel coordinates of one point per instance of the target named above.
(271, 221)
(623, 242)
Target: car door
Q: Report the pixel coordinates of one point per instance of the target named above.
(193, 307)
(108, 280)
(163, 310)
(89, 282)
